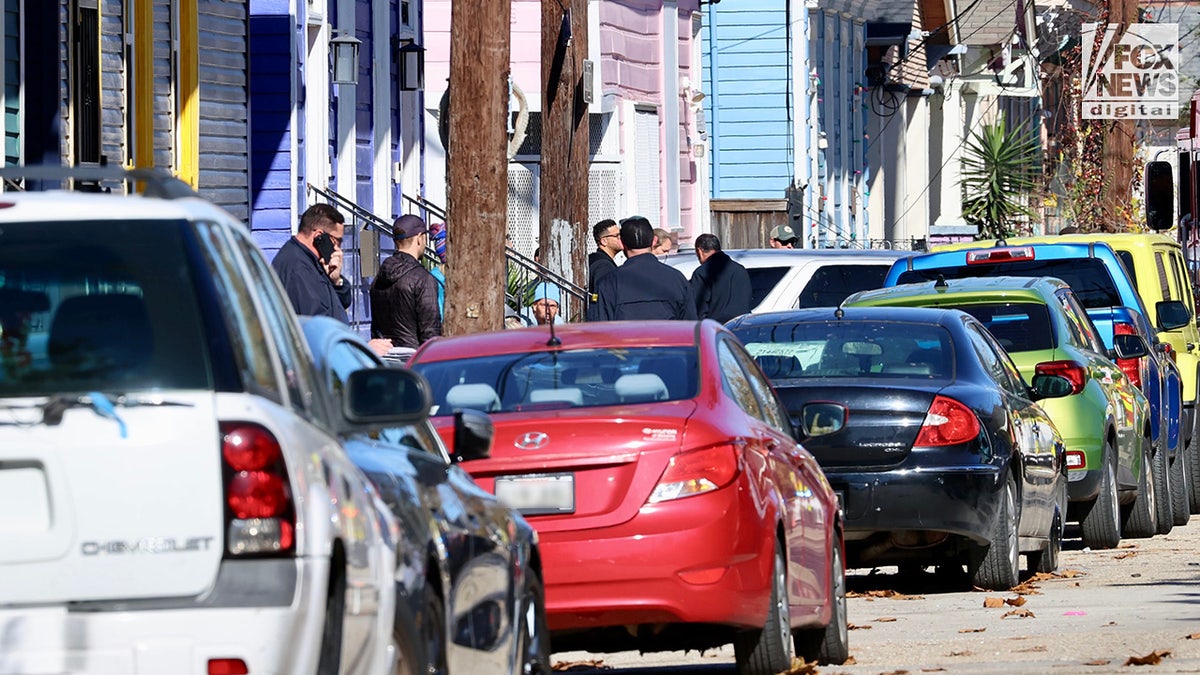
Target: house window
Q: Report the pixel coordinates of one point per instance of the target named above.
(85, 79)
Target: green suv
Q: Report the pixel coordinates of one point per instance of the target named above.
(1104, 422)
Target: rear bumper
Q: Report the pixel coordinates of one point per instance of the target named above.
(177, 636)
(703, 559)
(956, 500)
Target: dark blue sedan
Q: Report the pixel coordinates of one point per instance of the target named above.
(923, 425)
(470, 593)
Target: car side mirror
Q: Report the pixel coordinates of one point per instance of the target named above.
(1050, 386)
(1130, 346)
(385, 397)
(1172, 314)
(473, 435)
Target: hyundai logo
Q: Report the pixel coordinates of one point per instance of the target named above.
(532, 440)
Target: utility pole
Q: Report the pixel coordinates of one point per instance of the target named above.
(564, 228)
(477, 207)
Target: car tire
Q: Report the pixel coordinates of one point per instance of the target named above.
(330, 660)
(432, 622)
(769, 650)
(1140, 517)
(1046, 560)
(829, 645)
(1164, 491)
(1193, 463)
(1100, 527)
(1000, 566)
(533, 642)
(1181, 488)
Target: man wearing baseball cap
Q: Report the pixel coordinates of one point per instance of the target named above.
(404, 296)
(783, 236)
(644, 288)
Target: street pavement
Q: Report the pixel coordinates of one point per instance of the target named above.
(1133, 607)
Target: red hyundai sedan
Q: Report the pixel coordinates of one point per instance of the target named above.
(674, 506)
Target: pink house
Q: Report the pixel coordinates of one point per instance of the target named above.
(647, 129)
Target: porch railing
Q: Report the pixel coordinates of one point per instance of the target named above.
(524, 273)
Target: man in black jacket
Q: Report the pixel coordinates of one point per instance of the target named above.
(721, 285)
(644, 288)
(608, 244)
(404, 300)
(313, 284)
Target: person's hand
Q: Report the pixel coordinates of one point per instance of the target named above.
(380, 346)
(334, 267)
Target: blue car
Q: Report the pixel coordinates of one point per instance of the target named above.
(1102, 283)
(470, 595)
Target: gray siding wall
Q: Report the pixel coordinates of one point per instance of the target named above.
(224, 126)
(165, 102)
(113, 82)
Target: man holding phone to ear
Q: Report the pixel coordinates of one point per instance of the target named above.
(310, 264)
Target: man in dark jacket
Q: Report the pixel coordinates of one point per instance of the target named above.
(644, 288)
(404, 295)
(721, 285)
(313, 284)
(608, 244)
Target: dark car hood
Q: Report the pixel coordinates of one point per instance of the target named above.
(883, 419)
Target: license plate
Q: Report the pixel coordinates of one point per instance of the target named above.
(538, 493)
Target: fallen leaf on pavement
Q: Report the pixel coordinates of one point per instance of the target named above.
(1151, 659)
(885, 619)
(1026, 588)
(964, 653)
(854, 626)
(801, 667)
(885, 593)
(1122, 556)
(1193, 636)
(993, 602)
(933, 670)
(1019, 613)
(567, 666)
(849, 661)
(1035, 648)
(1015, 602)
(1096, 662)
(971, 630)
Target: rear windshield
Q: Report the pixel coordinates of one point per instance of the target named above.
(1088, 277)
(850, 349)
(551, 380)
(97, 306)
(1017, 326)
(831, 284)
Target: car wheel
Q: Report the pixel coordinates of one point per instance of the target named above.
(1140, 518)
(533, 647)
(1193, 462)
(1000, 568)
(830, 644)
(1100, 527)
(1181, 488)
(1046, 560)
(330, 660)
(1164, 494)
(769, 651)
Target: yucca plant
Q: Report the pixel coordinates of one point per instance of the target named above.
(998, 178)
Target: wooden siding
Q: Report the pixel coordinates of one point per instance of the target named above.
(746, 223)
(114, 78)
(271, 33)
(224, 126)
(745, 64)
(164, 85)
(12, 82)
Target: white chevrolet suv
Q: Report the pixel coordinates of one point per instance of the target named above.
(173, 498)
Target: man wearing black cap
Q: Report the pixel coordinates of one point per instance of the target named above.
(404, 295)
(644, 288)
(310, 264)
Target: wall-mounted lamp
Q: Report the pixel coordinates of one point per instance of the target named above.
(345, 58)
(410, 58)
(822, 140)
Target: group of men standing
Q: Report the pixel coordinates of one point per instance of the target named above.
(405, 306)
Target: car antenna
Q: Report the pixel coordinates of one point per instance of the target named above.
(839, 312)
(940, 284)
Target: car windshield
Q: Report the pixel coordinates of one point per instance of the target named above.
(1017, 326)
(1088, 277)
(98, 306)
(849, 348)
(562, 379)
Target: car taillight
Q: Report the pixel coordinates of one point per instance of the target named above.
(696, 472)
(1131, 367)
(999, 255)
(1076, 460)
(260, 516)
(1073, 371)
(948, 422)
(227, 667)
